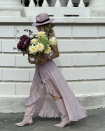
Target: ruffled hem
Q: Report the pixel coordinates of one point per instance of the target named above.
(49, 113)
(75, 115)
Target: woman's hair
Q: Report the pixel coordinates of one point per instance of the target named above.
(46, 27)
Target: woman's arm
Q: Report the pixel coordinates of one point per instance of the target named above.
(54, 55)
(54, 47)
(55, 52)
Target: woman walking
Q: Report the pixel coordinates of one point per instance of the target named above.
(50, 95)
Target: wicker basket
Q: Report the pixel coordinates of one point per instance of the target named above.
(34, 59)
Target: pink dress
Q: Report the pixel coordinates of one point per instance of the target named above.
(55, 84)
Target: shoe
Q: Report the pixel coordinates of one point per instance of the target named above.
(64, 116)
(25, 122)
(28, 115)
(64, 122)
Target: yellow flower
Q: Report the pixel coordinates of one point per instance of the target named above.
(48, 50)
(53, 41)
(41, 33)
(33, 41)
(33, 49)
(40, 47)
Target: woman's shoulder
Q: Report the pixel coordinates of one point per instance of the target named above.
(52, 35)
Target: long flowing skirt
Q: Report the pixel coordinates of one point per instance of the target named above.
(48, 79)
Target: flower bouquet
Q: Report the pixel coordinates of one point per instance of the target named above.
(35, 46)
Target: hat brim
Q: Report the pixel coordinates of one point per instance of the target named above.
(37, 24)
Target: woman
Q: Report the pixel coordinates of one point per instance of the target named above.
(50, 95)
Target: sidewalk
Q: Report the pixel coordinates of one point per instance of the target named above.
(94, 122)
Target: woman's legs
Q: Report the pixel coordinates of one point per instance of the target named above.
(61, 107)
(55, 98)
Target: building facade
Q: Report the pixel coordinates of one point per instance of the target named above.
(81, 40)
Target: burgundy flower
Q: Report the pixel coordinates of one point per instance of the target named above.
(24, 37)
(28, 41)
(20, 44)
(25, 46)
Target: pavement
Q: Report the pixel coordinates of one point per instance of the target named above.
(95, 121)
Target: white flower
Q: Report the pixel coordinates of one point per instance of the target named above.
(33, 41)
(53, 41)
(40, 47)
(48, 50)
(33, 49)
(41, 34)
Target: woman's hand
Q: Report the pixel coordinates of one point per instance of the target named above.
(44, 60)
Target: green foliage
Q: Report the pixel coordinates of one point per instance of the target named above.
(27, 51)
(38, 54)
(44, 40)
